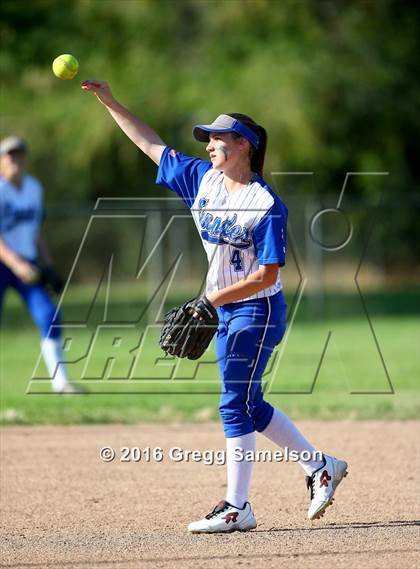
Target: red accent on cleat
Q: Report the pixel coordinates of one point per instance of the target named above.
(324, 478)
(231, 517)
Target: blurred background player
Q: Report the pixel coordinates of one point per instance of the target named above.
(21, 244)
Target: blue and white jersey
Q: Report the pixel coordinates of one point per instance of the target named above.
(239, 230)
(21, 215)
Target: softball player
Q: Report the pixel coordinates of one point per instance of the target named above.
(21, 215)
(242, 224)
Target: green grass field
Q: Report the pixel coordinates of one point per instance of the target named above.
(350, 383)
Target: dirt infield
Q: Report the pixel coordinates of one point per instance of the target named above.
(64, 507)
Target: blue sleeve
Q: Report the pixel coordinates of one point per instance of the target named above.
(270, 236)
(181, 173)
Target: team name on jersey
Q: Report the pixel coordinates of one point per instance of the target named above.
(15, 216)
(222, 230)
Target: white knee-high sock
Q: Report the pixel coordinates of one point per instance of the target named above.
(282, 431)
(54, 360)
(239, 472)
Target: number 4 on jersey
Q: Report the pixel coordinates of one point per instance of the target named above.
(236, 260)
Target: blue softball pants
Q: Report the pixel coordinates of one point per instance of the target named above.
(39, 304)
(247, 334)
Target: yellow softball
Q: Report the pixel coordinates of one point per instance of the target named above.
(65, 66)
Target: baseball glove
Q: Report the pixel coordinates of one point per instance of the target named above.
(50, 279)
(186, 336)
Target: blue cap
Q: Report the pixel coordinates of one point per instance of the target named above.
(225, 123)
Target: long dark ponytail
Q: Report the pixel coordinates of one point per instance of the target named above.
(257, 154)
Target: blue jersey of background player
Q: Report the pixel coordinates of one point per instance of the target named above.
(21, 243)
(242, 225)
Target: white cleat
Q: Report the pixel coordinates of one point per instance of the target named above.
(225, 518)
(71, 389)
(323, 484)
